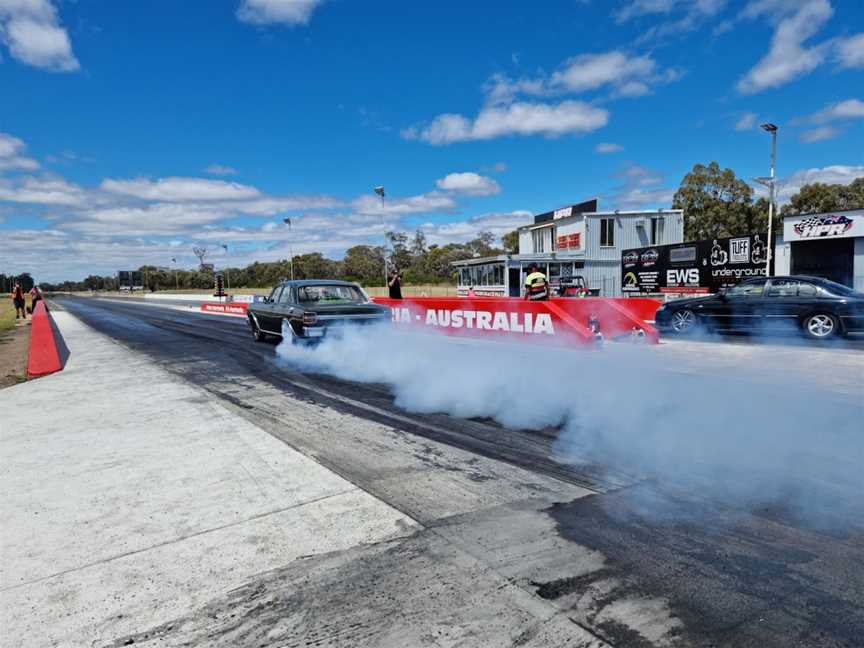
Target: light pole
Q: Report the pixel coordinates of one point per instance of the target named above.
(380, 192)
(771, 128)
(176, 281)
(227, 268)
(287, 221)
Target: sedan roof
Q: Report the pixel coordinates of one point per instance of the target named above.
(299, 283)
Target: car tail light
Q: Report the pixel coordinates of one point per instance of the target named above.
(309, 318)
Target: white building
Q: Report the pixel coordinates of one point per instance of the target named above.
(829, 245)
(574, 241)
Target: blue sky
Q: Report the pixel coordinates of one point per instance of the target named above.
(130, 131)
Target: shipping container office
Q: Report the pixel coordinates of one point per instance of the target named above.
(572, 241)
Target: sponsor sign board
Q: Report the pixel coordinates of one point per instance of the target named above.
(226, 309)
(816, 227)
(130, 279)
(698, 266)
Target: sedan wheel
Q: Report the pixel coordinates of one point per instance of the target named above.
(820, 326)
(256, 331)
(684, 321)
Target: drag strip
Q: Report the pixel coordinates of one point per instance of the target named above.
(635, 562)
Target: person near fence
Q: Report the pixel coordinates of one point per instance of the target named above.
(18, 301)
(394, 284)
(35, 296)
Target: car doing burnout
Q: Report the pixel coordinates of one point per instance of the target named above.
(818, 307)
(307, 310)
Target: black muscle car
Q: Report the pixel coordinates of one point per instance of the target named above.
(820, 308)
(309, 308)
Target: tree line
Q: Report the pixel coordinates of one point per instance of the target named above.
(715, 201)
(419, 263)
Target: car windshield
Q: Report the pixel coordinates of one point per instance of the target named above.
(330, 294)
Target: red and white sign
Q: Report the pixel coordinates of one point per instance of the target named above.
(225, 309)
(569, 241)
(557, 321)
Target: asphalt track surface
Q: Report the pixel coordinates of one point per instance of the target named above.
(733, 578)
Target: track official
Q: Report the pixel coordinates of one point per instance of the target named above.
(536, 285)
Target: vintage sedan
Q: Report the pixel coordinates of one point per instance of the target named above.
(307, 310)
(820, 308)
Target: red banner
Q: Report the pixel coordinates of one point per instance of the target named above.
(225, 309)
(557, 321)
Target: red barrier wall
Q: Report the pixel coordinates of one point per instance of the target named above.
(43, 358)
(227, 309)
(616, 316)
(558, 321)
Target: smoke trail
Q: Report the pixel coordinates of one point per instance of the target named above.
(728, 434)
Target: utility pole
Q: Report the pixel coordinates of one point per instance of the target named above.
(380, 192)
(287, 221)
(771, 128)
(176, 280)
(227, 268)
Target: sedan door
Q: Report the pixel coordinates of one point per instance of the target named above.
(265, 312)
(738, 309)
(785, 302)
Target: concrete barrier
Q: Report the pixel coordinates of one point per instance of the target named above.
(44, 357)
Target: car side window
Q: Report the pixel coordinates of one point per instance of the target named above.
(807, 289)
(748, 289)
(783, 288)
(274, 296)
(285, 298)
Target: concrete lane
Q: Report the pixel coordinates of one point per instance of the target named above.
(563, 536)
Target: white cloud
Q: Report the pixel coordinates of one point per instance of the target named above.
(11, 155)
(42, 191)
(466, 230)
(836, 174)
(180, 189)
(746, 122)
(269, 12)
(685, 15)
(840, 112)
(787, 58)
(848, 109)
(608, 147)
(472, 184)
(428, 202)
(624, 74)
(850, 51)
(520, 118)
(32, 32)
(819, 134)
(221, 170)
(639, 189)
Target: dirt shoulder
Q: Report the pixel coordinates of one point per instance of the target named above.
(14, 346)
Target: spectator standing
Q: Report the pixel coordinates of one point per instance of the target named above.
(394, 285)
(18, 300)
(35, 296)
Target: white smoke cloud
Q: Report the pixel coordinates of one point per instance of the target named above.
(733, 435)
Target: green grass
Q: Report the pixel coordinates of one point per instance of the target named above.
(7, 316)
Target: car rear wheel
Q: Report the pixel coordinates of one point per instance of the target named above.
(256, 331)
(821, 326)
(684, 321)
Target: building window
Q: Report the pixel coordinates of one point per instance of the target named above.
(541, 240)
(655, 231)
(607, 232)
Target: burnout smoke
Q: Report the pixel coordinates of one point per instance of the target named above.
(721, 433)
